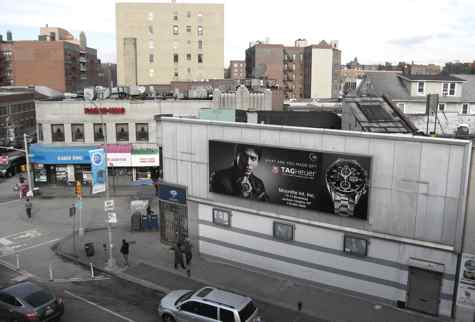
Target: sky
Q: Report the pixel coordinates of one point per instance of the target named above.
(375, 31)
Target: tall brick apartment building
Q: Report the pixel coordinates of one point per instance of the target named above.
(302, 71)
(55, 60)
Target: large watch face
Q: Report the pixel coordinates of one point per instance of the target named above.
(346, 176)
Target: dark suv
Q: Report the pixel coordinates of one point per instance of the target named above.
(27, 301)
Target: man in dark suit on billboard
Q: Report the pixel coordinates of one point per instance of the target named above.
(239, 180)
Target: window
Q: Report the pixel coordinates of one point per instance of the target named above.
(465, 109)
(355, 246)
(226, 315)
(98, 132)
(200, 44)
(188, 14)
(141, 132)
(247, 311)
(200, 30)
(188, 56)
(188, 28)
(188, 42)
(188, 70)
(442, 107)
(9, 299)
(40, 132)
(283, 231)
(200, 16)
(202, 309)
(57, 131)
(445, 89)
(175, 74)
(175, 58)
(175, 16)
(420, 88)
(452, 89)
(200, 58)
(150, 16)
(77, 132)
(221, 217)
(175, 30)
(122, 131)
(151, 72)
(150, 58)
(150, 29)
(151, 44)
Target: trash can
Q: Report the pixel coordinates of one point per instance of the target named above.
(136, 222)
(154, 221)
(89, 248)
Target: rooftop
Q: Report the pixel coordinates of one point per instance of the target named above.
(437, 78)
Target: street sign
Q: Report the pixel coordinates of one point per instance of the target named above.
(112, 218)
(79, 204)
(109, 205)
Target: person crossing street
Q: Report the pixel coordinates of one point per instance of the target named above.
(28, 206)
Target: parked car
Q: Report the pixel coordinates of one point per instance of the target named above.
(27, 301)
(206, 305)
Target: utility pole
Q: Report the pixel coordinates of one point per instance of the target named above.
(111, 262)
(30, 190)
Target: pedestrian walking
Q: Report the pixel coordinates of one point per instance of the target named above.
(124, 250)
(178, 255)
(187, 246)
(28, 206)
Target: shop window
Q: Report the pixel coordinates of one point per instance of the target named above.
(57, 131)
(99, 132)
(122, 131)
(283, 231)
(77, 132)
(221, 217)
(141, 131)
(355, 246)
(40, 132)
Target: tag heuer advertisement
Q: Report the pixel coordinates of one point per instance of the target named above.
(328, 182)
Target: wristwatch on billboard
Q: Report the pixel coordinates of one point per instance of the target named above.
(347, 182)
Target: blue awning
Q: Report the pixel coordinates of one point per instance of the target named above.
(50, 154)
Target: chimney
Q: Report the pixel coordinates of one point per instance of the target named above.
(9, 36)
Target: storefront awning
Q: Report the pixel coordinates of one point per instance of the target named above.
(50, 154)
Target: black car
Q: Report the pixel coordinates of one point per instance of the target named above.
(27, 301)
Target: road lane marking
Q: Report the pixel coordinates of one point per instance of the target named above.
(98, 306)
(18, 233)
(31, 247)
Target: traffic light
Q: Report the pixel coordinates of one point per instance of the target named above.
(72, 211)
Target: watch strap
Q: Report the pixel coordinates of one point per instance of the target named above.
(343, 205)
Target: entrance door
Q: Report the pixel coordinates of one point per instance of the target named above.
(173, 222)
(423, 292)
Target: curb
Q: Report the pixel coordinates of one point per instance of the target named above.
(156, 287)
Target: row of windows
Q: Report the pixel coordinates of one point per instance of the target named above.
(151, 44)
(188, 58)
(77, 132)
(151, 16)
(353, 245)
(176, 30)
(448, 89)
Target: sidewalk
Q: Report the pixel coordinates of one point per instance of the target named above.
(67, 191)
(151, 264)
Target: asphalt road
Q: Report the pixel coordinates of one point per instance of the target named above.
(107, 299)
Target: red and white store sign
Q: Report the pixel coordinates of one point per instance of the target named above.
(145, 160)
(104, 110)
(119, 159)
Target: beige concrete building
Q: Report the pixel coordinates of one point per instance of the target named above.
(162, 42)
(321, 63)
